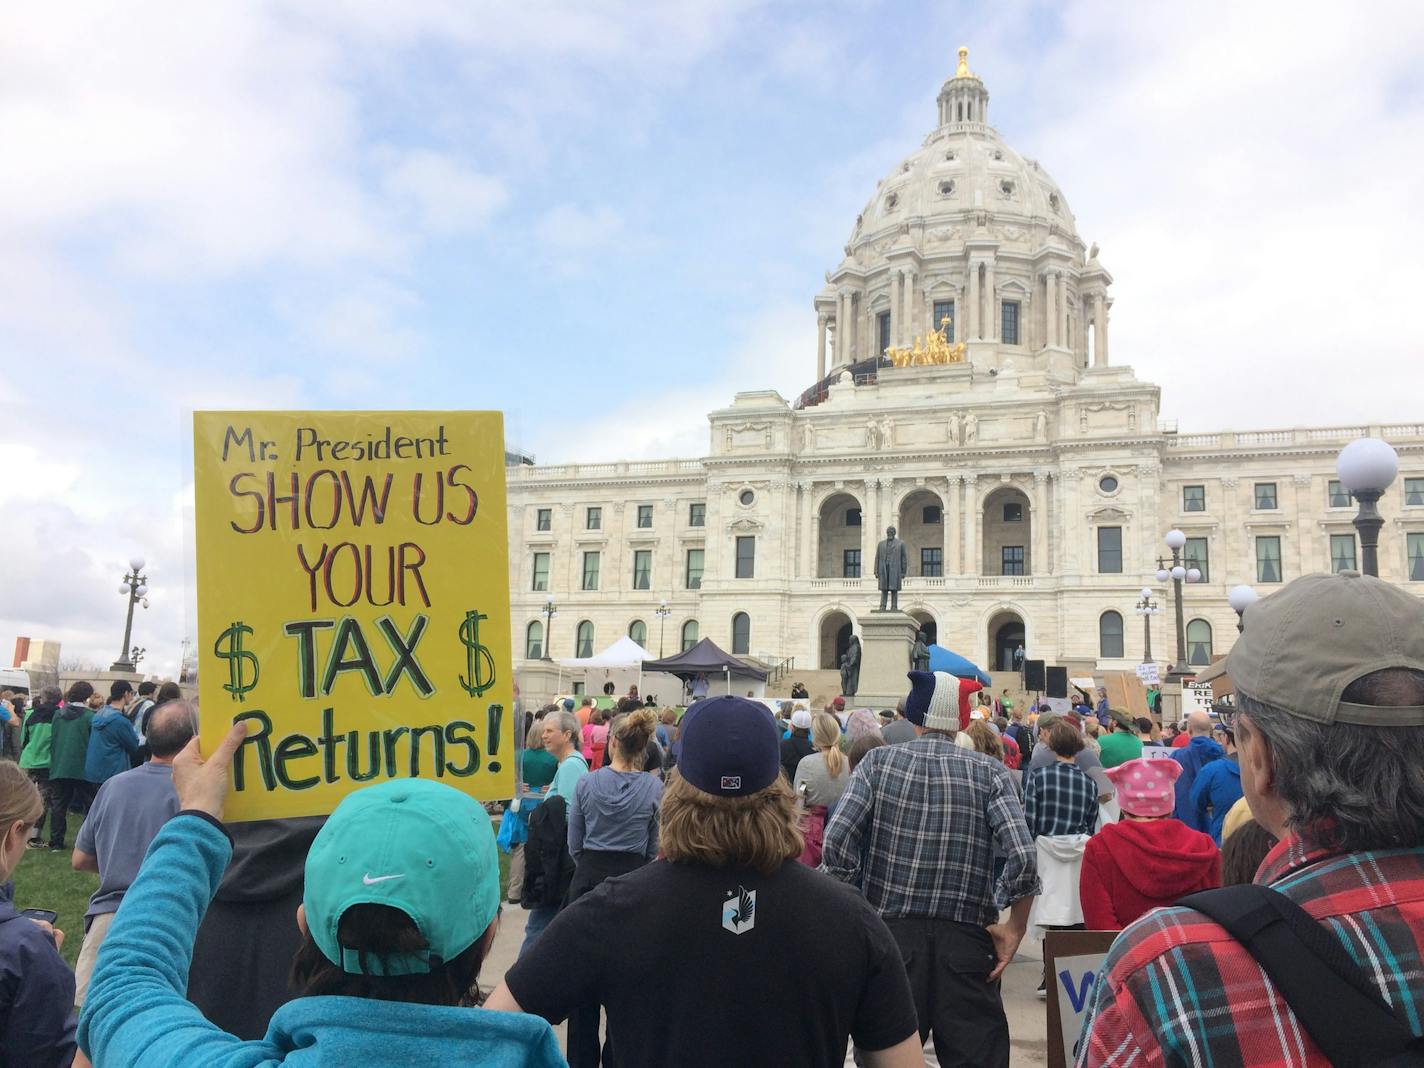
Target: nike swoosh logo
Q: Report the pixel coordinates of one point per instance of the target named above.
(368, 881)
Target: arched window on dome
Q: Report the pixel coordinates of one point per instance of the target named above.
(1110, 635)
(689, 634)
(1199, 643)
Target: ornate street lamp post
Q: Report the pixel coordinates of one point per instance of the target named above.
(1178, 572)
(134, 586)
(662, 612)
(1147, 608)
(550, 611)
(1366, 467)
(1241, 598)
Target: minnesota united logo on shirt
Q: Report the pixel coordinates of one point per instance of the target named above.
(739, 910)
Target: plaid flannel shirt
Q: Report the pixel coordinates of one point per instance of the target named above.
(1176, 989)
(915, 830)
(1060, 799)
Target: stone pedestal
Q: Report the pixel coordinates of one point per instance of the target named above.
(539, 682)
(885, 642)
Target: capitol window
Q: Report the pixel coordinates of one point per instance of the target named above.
(850, 563)
(1414, 549)
(1338, 494)
(1268, 558)
(1194, 498)
(1009, 321)
(1006, 187)
(1196, 554)
(932, 562)
(892, 202)
(1414, 491)
(944, 309)
(853, 517)
(1011, 560)
(932, 514)
(694, 569)
(745, 498)
(746, 557)
(534, 641)
(1110, 635)
(1266, 496)
(590, 571)
(1198, 643)
(1342, 553)
(593, 518)
(638, 631)
(946, 188)
(882, 328)
(1110, 550)
(689, 634)
(544, 519)
(1013, 511)
(741, 634)
(541, 572)
(1108, 484)
(645, 515)
(642, 569)
(697, 514)
(583, 642)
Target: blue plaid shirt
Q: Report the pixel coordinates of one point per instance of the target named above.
(916, 827)
(1060, 799)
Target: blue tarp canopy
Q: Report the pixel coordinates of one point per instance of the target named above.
(942, 659)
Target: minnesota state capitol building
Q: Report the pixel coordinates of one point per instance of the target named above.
(1031, 477)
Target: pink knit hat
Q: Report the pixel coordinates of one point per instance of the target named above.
(1145, 787)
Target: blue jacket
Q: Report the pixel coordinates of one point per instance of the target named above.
(36, 996)
(1193, 756)
(112, 741)
(136, 1012)
(1218, 787)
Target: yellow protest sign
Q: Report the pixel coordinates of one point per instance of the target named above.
(353, 602)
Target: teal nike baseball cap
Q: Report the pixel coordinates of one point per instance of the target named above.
(415, 845)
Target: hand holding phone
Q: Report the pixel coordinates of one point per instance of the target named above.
(44, 919)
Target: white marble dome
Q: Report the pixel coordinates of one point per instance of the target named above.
(961, 177)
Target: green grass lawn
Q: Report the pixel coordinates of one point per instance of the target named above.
(44, 880)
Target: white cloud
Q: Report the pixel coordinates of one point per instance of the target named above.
(567, 229)
(446, 197)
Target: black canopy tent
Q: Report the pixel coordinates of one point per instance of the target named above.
(705, 658)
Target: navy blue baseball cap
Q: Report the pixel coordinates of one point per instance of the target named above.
(728, 746)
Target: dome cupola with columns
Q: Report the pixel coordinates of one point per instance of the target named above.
(965, 228)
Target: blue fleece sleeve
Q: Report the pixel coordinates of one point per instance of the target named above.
(1201, 799)
(136, 1012)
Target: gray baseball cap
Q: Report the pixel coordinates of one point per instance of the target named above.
(1300, 647)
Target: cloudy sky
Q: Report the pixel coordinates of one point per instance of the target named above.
(604, 218)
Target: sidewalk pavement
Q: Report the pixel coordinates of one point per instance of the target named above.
(1027, 1013)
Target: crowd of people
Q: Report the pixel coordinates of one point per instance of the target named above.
(744, 884)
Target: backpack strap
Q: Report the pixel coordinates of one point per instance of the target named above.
(1326, 990)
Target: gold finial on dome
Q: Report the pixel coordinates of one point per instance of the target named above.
(963, 71)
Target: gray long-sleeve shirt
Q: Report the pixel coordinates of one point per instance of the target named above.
(615, 812)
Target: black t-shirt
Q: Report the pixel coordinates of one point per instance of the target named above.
(717, 966)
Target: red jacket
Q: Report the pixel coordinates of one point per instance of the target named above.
(1132, 867)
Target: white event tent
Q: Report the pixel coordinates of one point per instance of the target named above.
(622, 664)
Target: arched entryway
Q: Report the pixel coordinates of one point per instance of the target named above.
(927, 624)
(839, 548)
(836, 631)
(1008, 533)
(921, 528)
(1006, 633)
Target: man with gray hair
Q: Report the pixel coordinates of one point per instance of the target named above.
(1318, 962)
(128, 812)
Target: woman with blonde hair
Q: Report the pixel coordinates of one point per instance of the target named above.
(820, 780)
(613, 829)
(728, 899)
(36, 986)
(537, 767)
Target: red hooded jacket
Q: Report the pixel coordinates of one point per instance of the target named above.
(1132, 867)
